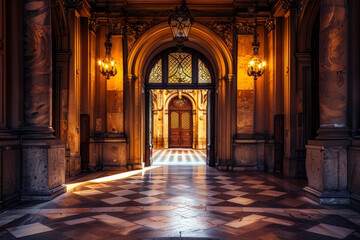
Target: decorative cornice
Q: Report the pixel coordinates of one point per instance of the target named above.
(94, 23)
(75, 4)
(245, 27)
(225, 30)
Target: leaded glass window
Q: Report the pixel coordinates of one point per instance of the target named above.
(180, 70)
(204, 73)
(156, 73)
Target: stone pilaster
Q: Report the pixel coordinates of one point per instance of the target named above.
(43, 156)
(327, 157)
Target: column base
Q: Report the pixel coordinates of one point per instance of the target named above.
(43, 195)
(43, 169)
(327, 198)
(333, 133)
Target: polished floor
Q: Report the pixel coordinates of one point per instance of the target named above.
(179, 156)
(186, 201)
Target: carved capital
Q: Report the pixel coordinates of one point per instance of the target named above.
(225, 30)
(292, 4)
(74, 4)
(94, 23)
(270, 23)
(245, 27)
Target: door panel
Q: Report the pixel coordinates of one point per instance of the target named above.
(174, 133)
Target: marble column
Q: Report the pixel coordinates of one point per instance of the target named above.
(43, 156)
(327, 157)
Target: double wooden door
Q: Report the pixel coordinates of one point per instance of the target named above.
(180, 123)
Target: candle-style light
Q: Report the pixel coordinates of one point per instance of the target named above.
(107, 65)
(256, 66)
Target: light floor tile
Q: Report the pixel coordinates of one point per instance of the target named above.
(156, 181)
(180, 186)
(241, 200)
(123, 192)
(244, 221)
(28, 230)
(236, 193)
(147, 200)
(88, 192)
(152, 192)
(115, 200)
(231, 187)
(331, 230)
(271, 193)
(114, 221)
(134, 181)
(79, 220)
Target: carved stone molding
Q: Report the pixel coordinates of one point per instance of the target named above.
(117, 28)
(245, 27)
(225, 30)
(75, 4)
(135, 30)
(292, 4)
(94, 23)
(270, 24)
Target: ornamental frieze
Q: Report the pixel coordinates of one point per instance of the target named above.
(245, 26)
(135, 30)
(292, 4)
(225, 30)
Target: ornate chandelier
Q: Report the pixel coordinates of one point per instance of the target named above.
(180, 23)
(108, 65)
(256, 66)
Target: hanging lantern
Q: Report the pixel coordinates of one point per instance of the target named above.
(108, 65)
(180, 23)
(256, 66)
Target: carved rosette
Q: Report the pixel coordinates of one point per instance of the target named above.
(225, 30)
(245, 27)
(135, 30)
(37, 63)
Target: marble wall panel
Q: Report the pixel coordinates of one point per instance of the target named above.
(245, 154)
(114, 155)
(10, 171)
(245, 111)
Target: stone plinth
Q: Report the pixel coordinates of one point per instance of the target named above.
(249, 153)
(108, 154)
(354, 172)
(43, 169)
(326, 167)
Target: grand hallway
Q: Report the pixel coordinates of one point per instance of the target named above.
(174, 201)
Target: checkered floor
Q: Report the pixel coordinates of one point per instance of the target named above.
(179, 156)
(187, 201)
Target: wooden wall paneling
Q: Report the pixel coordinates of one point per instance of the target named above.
(2, 64)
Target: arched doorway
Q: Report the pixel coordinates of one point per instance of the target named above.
(180, 123)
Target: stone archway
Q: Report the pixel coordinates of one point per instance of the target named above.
(149, 45)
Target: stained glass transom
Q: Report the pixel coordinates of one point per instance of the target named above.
(204, 73)
(156, 73)
(185, 120)
(174, 120)
(180, 70)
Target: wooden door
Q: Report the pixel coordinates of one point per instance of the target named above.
(180, 123)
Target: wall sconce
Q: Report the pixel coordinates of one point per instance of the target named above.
(107, 65)
(256, 66)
